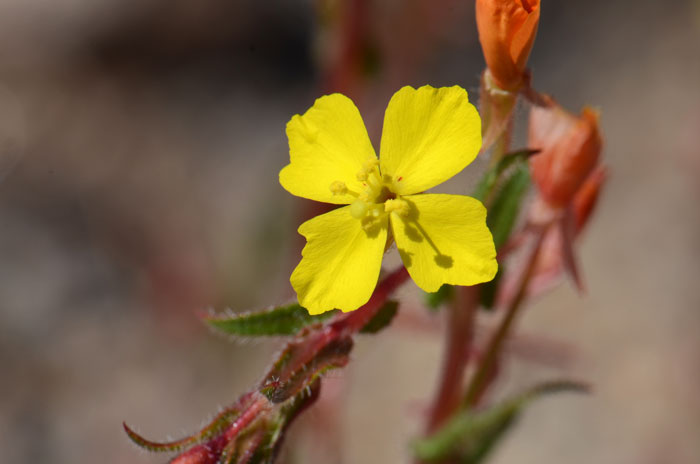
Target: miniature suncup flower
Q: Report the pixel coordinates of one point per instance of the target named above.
(429, 136)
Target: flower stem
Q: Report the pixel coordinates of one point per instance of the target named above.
(482, 376)
(460, 332)
(354, 321)
(306, 347)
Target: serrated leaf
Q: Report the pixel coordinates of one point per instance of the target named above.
(276, 321)
(382, 318)
(506, 205)
(443, 295)
(469, 436)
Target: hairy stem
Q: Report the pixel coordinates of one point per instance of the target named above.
(307, 347)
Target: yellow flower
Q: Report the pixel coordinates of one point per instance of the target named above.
(429, 136)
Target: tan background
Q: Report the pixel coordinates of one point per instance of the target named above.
(141, 142)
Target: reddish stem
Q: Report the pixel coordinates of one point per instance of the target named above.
(259, 404)
(352, 322)
(347, 323)
(460, 333)
(484, 375)
(345, 71)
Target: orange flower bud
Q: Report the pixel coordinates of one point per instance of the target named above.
(507, 30)
(570, 146)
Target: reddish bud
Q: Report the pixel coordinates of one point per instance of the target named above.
(587, 197)
(570, 146)
(507, 30)
(552, 259)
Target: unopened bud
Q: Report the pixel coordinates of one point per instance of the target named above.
(507, 30)
(586, 198)
(570, 147)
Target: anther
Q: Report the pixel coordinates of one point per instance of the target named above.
(368, 167)
(370, 164)
(339, 188)
(398, 206)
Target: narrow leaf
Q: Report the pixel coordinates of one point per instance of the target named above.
(506, 205)
(276, 321)
(502, 214)
(492, 177)
(215, 427)
(382, 318)
(469, 436)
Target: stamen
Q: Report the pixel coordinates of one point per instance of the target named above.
(368, 167)
(370, 164)
(398, 206)
(339, 188)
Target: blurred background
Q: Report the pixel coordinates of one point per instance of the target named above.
(140, 143)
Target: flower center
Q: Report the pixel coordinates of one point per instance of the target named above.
(376, 200)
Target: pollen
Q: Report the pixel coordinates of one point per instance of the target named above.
(369, 167)
(339, 188)
(398, 206)
(370, 164)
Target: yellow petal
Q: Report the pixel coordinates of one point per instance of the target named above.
(340, 262)
(429, 136)
(328, 144)
(444, 240)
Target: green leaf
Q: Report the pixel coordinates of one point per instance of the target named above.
(276, 321)
(506, 205)
(469, 436)
(503, 205)
(443, 295)
(492, 177)
(220, 422)
(382, 318)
